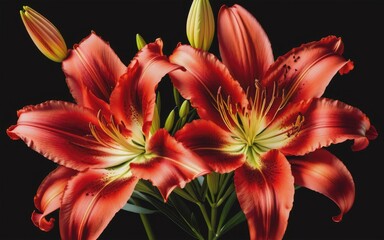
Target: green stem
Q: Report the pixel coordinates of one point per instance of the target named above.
(146, 224)
(212, 233)
(205, 215)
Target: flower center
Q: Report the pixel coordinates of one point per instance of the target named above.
(114, 137)
(252, 126)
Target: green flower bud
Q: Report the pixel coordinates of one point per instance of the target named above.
(184, 109)
(170, 121)
(140, 42)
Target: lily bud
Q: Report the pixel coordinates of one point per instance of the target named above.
(200, 25)
(140, 42)
(184, 109)
(170, 121)
(44, 34)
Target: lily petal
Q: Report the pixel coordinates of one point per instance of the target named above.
(48, 196)
(266, 196)
(204, 77)
(311, 64)
(91, 200)
(60, 131)
(244, 46)
(134, 96)
(172, 164)
(322, 172)
(92, 65)
(325, 122)
(213, 144)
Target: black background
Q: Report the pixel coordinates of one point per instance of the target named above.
(27, 77)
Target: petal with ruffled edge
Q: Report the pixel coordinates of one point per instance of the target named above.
(92, 65)
(266, 196)
(306, 71)
(91, 200)
(244, 46)
(322, 172)
(60, 131)
(204, 77)
(48, 196)
(213, 144)
(171, 164)
(325, 122)
(133, 100)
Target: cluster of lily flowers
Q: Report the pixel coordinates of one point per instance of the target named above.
(247, 127)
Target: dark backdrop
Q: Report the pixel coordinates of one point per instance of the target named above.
(27, 77)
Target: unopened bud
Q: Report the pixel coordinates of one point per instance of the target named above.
(200, 24)
(140, 42)
(44, 34)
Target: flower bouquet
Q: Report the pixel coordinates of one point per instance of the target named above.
(246, 129)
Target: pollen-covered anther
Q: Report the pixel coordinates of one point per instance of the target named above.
(296, 126)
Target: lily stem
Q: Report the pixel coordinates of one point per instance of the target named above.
(146, 224)
(212, 232)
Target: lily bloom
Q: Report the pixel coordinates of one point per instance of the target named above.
(266, 120)
(104, 143)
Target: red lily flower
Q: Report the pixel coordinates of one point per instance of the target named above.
(266, 119)
(103, 144)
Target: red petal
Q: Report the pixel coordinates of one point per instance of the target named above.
(306, 71)
(172, 165)
(134, 96)
(91, 200)
(211, 143)
(326, 122)
(92, 65)
(60, 132)
(322, 172)
(244, 46)
(201, 81)
(266, 196)
(48, 196)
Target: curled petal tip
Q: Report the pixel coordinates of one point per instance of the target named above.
(44, 34)
(200, 25)
(347, 68)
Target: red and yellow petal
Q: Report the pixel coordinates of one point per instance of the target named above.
(306, 71)
(91, 200)
(203, 78)
(213, 144)
(92, 65)
(60, 131)
(134, 96)
(266, 196)
(244, 46)
(322, 172)
(48, 196)
(172, 165)
(325, 122)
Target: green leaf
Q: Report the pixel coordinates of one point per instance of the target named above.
(185, 212)
(137, 209)
(234, 221)
(169, 212)
(146, 187)
(227, 207)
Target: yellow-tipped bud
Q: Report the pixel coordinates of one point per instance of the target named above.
(184, 109)
(140, 42)
(200, 25)
(170, 121)
(44, 34)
